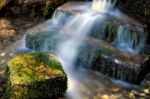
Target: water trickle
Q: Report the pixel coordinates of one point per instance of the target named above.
(129, 40)
(59, 18)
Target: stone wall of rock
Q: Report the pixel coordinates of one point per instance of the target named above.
(135, 7)
(32, 8)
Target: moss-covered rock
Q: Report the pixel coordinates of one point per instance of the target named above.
(35, 75)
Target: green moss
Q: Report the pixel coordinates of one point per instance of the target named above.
(35, 66)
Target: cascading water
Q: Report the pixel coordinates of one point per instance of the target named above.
(72, 34)
(68, 47)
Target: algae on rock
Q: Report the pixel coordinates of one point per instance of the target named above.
(35, 75)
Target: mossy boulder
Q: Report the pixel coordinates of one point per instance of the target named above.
(35, 75)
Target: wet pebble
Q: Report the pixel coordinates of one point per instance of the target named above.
(132, 96)
(2, 54)
(105, 97)
(146, 91)
(115, 90)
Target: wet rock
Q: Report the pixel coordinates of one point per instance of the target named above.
(35, 75)
(146, 83)
(42, 40)
(31, 8)
(132, 96)
(6, 29)
(5, 23)
(3, 3)
(146, 91)
(135, 7)
(103, 57)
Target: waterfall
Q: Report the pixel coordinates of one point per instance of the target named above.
(72, 35)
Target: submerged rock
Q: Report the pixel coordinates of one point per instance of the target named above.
(35, 75)
(42, 40)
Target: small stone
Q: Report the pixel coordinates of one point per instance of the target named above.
(4, 23)
(134, 92)
(132, 96)
(3, 54)
(11, 54)
(113, 97)
(115, 90)
(105, 97)
(142, 94)
(146, 91)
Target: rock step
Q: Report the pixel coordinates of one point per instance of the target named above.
(102, 56)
